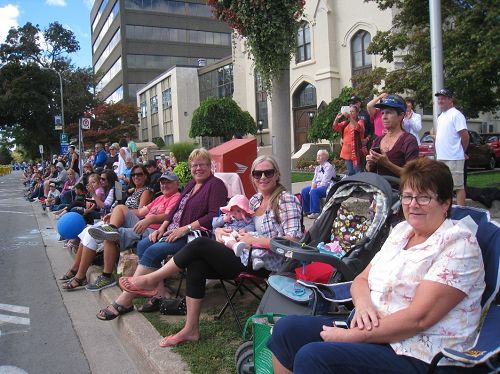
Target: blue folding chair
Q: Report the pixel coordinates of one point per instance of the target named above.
(487, 344)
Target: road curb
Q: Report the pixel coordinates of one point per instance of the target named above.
(138, 337)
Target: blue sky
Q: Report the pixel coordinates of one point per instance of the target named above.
(72, 14)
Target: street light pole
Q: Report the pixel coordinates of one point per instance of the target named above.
(260, 123)
(62, 95)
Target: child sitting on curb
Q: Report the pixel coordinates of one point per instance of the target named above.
(238, 217)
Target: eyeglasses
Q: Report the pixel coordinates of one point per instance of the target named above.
(420, 199)
(103, 179)
(257, 174)
(136, 175)
(196, 166)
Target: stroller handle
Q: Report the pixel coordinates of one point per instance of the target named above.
(305, 253)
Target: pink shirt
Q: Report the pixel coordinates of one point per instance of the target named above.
(377, 122)
(161, 205)
(450, 256)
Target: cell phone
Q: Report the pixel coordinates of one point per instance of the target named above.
(376, 149)
(345, 109)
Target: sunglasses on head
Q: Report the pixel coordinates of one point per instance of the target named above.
(257, 174)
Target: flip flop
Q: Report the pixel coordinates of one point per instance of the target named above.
(172, 341)
(127, 284)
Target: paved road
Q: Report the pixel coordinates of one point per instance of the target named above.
(36, 332)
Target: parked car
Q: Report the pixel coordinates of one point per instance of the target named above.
(493, 140)
(481, 155)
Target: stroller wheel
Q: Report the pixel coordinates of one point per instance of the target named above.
(244, 358)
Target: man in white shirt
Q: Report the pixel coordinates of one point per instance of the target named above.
(412, 122)
(311, 195)
(452, 140)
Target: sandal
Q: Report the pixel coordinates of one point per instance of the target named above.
(74, 284)
(152, 305)
(107, 315)
(173, 307)
(127, 284)
(70, 274)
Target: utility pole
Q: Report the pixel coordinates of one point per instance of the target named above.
(61, 92)
(436, 54)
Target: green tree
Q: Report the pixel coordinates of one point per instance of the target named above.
(30, 86)
(109, 122)
(321, 127)
(221, 117)
(470, 52)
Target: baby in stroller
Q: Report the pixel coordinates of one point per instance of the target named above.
(238, 217)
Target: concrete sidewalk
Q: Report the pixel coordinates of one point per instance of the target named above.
(128, 344)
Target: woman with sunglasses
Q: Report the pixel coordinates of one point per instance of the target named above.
(421, 292)
(277, 213)
(75, 277)
(198, 204)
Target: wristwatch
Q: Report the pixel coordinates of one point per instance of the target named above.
(190, 228)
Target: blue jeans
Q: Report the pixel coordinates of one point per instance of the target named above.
(151, 254)
(351, 170)
(297, 345)
(311, 198)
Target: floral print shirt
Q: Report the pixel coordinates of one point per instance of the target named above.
(450, 256)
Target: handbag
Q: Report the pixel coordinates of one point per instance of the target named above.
(192, 235)
(173, 307)
(262, 325)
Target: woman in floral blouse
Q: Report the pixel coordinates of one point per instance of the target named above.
(277, 213)
(420, 293)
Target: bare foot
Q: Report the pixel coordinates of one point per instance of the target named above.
(180, 338)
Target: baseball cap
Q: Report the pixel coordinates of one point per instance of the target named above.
(169, 176)
(52, 184)
(354, 99)
(393, 102)
(444, 92)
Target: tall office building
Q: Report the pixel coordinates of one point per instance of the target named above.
(134, 41)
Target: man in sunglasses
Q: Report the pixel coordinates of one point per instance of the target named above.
(311, 195)
(125, 227)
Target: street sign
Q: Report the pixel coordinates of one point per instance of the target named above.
(64, 149)
(40, 148)
(58, 122)
(64, 138)
(85, 123)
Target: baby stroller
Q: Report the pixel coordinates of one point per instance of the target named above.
(354, 223)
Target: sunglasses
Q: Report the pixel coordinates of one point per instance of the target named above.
(257, 174)
(104, 179)
(136, 175)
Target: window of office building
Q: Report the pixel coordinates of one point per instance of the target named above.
(153, 102)
(162, 62)
(115, 96)
(144, 108)
(99, 14)
(217, 83)
(107, 51)
(361, 60)
(106, 26)
(261, 101)
(303, 43)
(167, 98)
(164, 34)
(170, 6)
(110, 74)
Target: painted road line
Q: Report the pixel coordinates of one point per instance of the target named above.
(15, 308)
(14, 320)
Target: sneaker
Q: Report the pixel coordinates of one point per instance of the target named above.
(101, 283)
(313, 215)
(238, 248)
(104, 232)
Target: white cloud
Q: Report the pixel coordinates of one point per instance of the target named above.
(56, 2)
(8, 19)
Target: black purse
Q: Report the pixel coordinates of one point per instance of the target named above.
(173, 307)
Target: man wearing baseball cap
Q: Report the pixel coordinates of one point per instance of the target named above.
(122, 228)
(452, 140)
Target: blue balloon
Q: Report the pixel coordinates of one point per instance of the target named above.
(70, 225)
